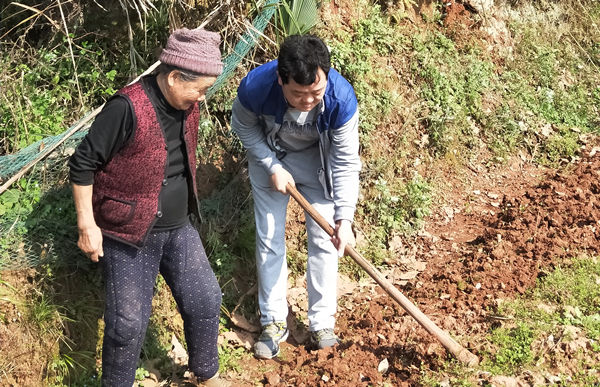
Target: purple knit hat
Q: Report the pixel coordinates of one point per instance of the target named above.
(195, 50)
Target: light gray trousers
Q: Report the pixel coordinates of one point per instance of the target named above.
(270, 208)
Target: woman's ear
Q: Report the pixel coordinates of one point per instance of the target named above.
(173, 77)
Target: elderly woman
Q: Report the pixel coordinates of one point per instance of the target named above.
(134, 187)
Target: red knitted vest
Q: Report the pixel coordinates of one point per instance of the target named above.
(127, 189)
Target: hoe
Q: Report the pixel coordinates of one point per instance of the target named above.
(461, 353)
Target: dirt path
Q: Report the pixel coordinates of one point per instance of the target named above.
(498, 231)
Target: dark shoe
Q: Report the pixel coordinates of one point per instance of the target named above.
(272, 334)
(324, 338)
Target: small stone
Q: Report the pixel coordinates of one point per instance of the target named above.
(383, 367)
(546, 308)
(481, 6)
(504, 381)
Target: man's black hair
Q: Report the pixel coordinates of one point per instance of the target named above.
(300, 57)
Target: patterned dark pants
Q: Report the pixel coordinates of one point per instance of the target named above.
(130, 275)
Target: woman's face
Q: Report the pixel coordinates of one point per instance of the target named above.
(183, 94)
(305, 98)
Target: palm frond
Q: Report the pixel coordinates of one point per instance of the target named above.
(298, 16)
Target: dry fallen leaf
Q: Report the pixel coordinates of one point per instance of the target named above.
(177, 352)
(273, 378)
(449, 212)
(594, 151)
(546, 130)
(505, 381)
(243, 339)
(148, 383)
(395, 244)
(241, 322)
(420, 266)
(408, 275)
(345, 285)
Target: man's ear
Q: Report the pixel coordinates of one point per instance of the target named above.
(279, 79)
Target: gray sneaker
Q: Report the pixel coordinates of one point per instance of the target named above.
(272, 334)
(324, 338)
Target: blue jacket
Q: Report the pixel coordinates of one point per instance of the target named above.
(261, 93)
(257, 115)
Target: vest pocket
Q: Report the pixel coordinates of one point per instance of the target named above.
(116, 211)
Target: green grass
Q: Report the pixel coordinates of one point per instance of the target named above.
(232, 358)
(513, 349)
(572, 294)
(576, 286)
(543, 84)
(453, 82)
(43, 98)
(572, 289)
(354, 54)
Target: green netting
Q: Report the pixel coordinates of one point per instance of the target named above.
(243, 46)
(10, 165)
(37, 213)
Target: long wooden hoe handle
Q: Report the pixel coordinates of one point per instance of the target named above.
(462, 354)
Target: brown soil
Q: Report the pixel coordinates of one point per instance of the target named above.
(499, 231)
(456, 14)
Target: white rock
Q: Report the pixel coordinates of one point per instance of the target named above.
(546, 130)
(384, 365)
(482, 6)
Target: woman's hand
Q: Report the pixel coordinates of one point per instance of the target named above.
(90, 236)
(90, 242)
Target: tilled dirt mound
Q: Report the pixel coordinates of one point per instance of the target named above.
(518, 224)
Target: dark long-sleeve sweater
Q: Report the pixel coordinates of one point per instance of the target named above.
(112, 130)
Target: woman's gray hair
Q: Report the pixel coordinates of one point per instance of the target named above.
(186, 75)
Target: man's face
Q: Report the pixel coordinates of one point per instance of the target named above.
(304, 98)
(184, 94)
